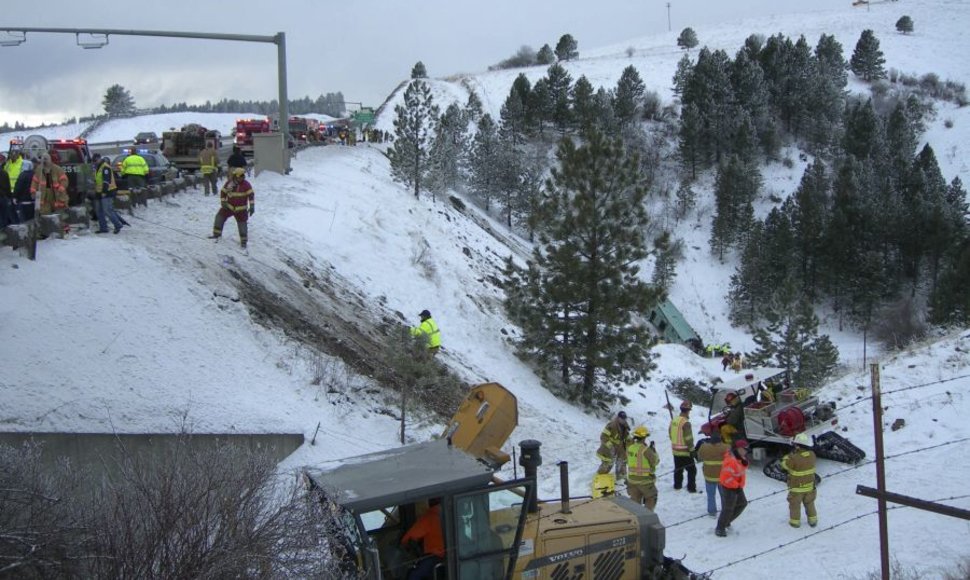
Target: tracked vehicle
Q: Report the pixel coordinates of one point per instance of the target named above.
(772, 424)
(492, 529)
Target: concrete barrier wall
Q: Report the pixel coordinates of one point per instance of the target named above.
(99, 450)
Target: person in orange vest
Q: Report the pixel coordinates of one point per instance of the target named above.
(733, 477)
(682, 444)
(236, 200)
(427, 530)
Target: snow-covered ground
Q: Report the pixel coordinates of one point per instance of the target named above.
(132, 332)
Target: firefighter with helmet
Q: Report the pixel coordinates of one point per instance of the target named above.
(612, 449)
(641, 463)
(800, 465)
(682, 445)
(733, 427)
(237, 200)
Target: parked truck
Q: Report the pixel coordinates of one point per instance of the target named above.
(182, 147)
(244, 130)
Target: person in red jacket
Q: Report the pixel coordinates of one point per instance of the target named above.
(236, 200)
(427, 530)
(733, 477)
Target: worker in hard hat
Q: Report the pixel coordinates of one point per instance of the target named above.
(733, 426)
(641, 464)
(682, 445)
(800, 465)
(238, 201)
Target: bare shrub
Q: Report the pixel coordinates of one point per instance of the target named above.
(652, 107)
(630, 51)
(184, 512)
(948, 123)
(40, 531)
(900, 323)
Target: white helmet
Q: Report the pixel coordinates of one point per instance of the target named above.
(802, 439)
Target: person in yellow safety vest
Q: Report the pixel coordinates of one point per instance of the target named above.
(13, 166)
(612, 449)
(105, 190)
(800, 465)
(711, 453)
(134, 169)
(209, 166)
(682, 444)
(641, 464)
(429, 329)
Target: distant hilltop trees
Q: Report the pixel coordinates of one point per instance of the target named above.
(566, 49)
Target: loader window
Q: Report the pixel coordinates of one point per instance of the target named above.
(488, 525)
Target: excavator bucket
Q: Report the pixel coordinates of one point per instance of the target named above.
(483, 423)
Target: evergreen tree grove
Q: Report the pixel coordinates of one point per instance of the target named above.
(576, 298)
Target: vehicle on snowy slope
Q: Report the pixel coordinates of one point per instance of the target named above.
(491, 529)
(771, 424)
(183, 147)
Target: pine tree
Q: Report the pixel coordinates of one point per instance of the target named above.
(950, 303)
(513, 126)
(867, 60)
(735, 188)
(904, 24)
(810, 209)
(816, 357)
(747, 292)
(584, 103)
(418, 71)
(484, 162)
(576, 299)
(473, 108)
(539, 107)
(629, 96)
(117, 102)
(686, 199)
(545, 56)
(665, 262)
(567, 48)
(559, 83)
(414, 130)
(606, 117)
(687, 39)
(684, 69)
(447, 151)
(691, 133)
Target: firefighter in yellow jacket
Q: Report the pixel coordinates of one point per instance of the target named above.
(800, 465)
(49, 187)
(612, 449)
(641, 464)
(682, 444)
(711, 452)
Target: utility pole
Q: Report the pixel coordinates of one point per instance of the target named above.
(880, 470)
(668, 16)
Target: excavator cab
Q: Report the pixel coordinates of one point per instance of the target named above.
(381, 495)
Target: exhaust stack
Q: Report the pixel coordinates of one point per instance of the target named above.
(530, 460)
(564, 485)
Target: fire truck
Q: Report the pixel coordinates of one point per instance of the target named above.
(182, 147)
(243, 133)
(305, 130)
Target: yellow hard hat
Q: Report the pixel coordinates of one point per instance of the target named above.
(641, 432)
(238, 172)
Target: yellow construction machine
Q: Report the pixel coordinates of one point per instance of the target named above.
(492, 529)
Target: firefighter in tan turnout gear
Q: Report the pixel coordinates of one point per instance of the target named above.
(711, 453)
(682, 444)
(612, 449)
(641, 463)
(800, 465)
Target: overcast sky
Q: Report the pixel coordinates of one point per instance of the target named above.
(362, 48)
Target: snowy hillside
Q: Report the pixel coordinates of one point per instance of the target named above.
(133, 332)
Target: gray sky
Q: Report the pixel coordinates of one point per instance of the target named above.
(362, 48)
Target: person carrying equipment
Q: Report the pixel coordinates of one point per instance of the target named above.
(612, 449)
